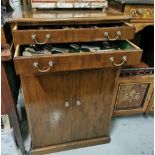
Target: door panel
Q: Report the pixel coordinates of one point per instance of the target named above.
(49, 119)
(131, 95)
(92, 103)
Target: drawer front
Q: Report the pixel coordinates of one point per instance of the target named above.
(140, 11)
(42, 36)
(74, 61)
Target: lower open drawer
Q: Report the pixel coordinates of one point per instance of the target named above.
(68, 57)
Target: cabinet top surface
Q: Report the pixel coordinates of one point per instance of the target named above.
(25, 14)
(140, 2)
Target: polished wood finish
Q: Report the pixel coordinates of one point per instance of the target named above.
(46, 95)
(142, 14)
(94, 98)
(71, 145)
(69, 105)
(76, 61)
(68, 35)
(133, 95)
(141, 11)
(142, 20)
(27, 16)
(137, 11)
(68, 124)
(142, 17)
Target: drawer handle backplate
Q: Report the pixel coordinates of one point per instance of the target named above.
(106, 34)
(50, 65)
(112, 59)
(34, 38)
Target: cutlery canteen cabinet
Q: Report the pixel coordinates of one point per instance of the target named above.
(68, 96)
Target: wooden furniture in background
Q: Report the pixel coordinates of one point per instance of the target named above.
(133, 95)
(9, 94)
(142, 12)
(9, 82)
(68, 97)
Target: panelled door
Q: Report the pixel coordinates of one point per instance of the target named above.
(92, 99)
(49, 107)
(133, 95)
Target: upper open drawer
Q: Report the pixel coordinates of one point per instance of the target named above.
(69, 57)
(72, 33)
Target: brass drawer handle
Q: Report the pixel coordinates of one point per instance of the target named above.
(133, 12)
(78, 103)
(50, 65)
(124, 59)
(106, 34)
(34, 38)
(67, 104)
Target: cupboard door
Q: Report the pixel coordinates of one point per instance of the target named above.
(49, 108)
(92, 103)
(133, 95)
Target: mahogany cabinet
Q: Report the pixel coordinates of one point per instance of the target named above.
(68, 96)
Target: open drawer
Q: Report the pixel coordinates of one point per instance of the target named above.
(89, 56)
(72, 33)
